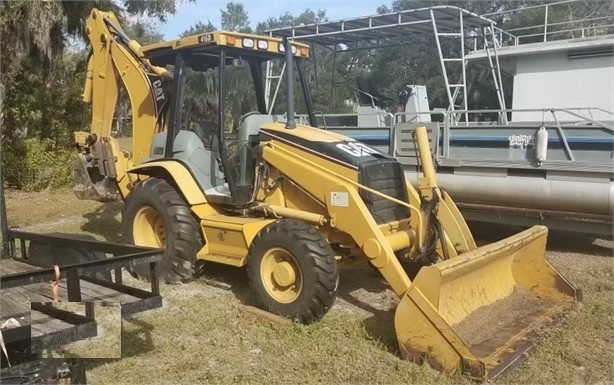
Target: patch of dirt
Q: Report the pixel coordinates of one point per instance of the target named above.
(53, 224)
(362, 290)
(44, 207)
(503, 318)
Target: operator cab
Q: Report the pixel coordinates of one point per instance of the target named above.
(218, 105)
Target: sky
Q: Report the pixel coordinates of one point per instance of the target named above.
(260, 10)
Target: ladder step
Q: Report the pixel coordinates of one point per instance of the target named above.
(454, 59)
(456, 34)
(456, 85)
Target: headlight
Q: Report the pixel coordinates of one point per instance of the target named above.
(248, 43)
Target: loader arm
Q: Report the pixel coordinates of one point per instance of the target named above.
(440, 310)
(352, 218)
(456, 238)
(101, 171)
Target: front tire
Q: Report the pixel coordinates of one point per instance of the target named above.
(292, 271)
(155, 215)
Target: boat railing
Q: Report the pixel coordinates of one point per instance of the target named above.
(547, 30)
(562, 119)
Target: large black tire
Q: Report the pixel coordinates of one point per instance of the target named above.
(295, 249)
(164, 220)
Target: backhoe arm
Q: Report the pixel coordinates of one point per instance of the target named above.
(101, 171)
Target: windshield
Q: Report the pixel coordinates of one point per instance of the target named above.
(217, 100)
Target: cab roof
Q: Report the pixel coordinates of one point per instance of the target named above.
(249, 45)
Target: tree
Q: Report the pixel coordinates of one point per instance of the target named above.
(33, 36)
(235, 18)
(199, 28)
(42, 96)
(319, 68)
(308, 16)
(144, 33)
(392, 67)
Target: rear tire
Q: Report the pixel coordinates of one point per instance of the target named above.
(155, 215)
(292, 271)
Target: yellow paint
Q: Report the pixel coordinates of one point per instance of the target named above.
(444, 294)
(228, 38)
(228, 238)
(308, 133)
(320, 165)
(186, 184)
(281, 275)
(285, 212)
(110, 65)
(355, 220)
(458, 235)
(148, 228)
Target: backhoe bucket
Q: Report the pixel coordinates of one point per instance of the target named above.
(480, 312)
(98, 188)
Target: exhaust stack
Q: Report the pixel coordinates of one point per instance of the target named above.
(290, 122)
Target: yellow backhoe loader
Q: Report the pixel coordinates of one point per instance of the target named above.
(213, 175)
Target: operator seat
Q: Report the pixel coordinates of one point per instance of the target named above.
(189, 150)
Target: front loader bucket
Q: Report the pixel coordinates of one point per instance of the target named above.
(479, 313)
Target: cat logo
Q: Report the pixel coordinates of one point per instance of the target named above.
(207, 38)
(356, 149)
(158, 91)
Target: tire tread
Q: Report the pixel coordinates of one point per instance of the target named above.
(317, 257)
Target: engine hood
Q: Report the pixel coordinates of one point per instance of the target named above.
(333, 146)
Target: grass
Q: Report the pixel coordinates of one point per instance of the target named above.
(202, 336)
(107, 342)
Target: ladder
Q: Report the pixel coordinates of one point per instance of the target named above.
(490, 47)
(460, 87)
(270, 102)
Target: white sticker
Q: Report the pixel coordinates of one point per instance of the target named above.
(357, 149)
(340, 199)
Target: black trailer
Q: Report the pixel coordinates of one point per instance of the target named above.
(37, 270)
(26, 292)
(80, 269)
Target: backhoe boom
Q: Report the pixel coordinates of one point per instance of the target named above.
(115, 60)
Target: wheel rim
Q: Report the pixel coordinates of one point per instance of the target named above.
(148, 228)
(281, 275)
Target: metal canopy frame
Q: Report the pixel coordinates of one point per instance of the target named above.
(384, 26)
(375, 31)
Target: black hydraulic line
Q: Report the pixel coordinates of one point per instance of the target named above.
(123, 37)
(312, 49)
(442, 238)
(256, 70)
(290, 123)
(306, 94)
(332, 83)
(176, 104)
